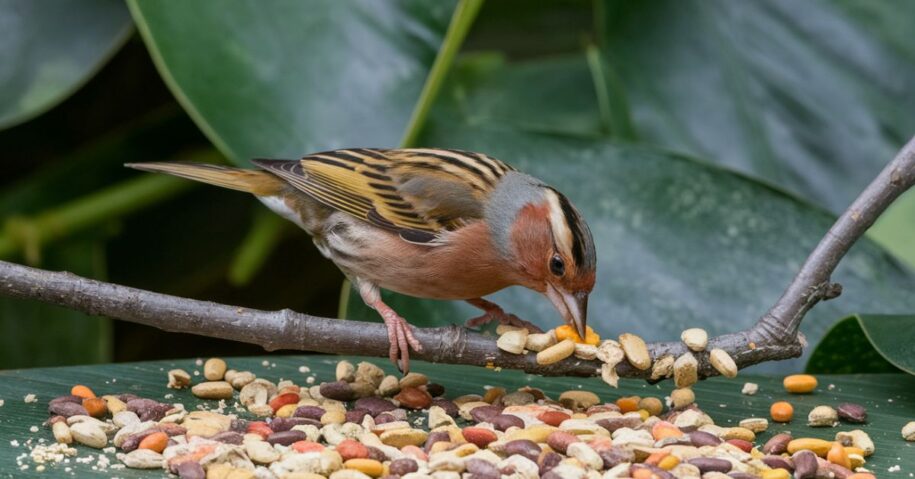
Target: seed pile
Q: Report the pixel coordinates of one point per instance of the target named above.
(367, 424)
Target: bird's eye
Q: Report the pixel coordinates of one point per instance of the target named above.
(557, 266)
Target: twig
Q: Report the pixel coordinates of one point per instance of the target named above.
(774, 337)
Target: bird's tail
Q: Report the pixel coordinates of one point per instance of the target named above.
(259, 183)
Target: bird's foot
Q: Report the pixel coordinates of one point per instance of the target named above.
(400, 334)
(494, 312)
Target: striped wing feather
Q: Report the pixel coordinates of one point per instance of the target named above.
(416, 192)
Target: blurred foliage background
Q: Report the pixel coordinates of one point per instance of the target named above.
(710, 144)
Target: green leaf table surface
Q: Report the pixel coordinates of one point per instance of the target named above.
(889, 398)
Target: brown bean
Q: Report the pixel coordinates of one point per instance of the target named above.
(710, 464)
(309, 412)
(504, 421)
(851, 412)
(449, 406)
(374, 405)
(286, 437)
(339, 390)
(702, 438)
(613, 456)
(485, 413)
(148, 409)
(228, 437)
(777, 444)
(403, 466)
(560, 440)
(805, 464)
(356, 415)
(413, 398)
(614, 423)
(67, 409)
(778, 462)
(523, 447)
(548, 460)
(480, 469)
(190, 470)
(286, 423)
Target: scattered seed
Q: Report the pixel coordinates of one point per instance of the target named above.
(556, 352)
(214, 369)
(695, 339)
(513, 341)
(686, 371)
(178, 379)
(749, 389)
(800, 383)
(636, 351)
(723, 363)
(822, 416)
(781, 411)
(851, 412)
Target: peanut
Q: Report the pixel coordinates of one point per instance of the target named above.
(556, 352)
(695, 339)
(723, 363)
(214, 369)
(636, 351)
(686, 370)
(513, 341)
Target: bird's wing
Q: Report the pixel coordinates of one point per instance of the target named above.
(416, 192)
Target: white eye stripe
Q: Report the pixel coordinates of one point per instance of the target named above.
(562, 234)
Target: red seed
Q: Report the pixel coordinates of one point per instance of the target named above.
(553, 418)
(745, 446)
(283, 399)
(260, 428)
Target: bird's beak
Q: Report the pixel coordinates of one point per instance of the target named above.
(572, 306)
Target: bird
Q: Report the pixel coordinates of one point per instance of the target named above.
(432, 223)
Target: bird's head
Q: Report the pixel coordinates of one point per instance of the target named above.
(547, 242)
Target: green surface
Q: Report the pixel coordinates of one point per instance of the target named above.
(50, 48)
(297, 77)
(890, 400)
(680, 242)
(867, 343)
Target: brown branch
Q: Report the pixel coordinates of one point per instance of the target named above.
(774, 337)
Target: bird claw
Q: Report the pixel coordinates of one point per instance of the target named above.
(498, 314)
(400, 334)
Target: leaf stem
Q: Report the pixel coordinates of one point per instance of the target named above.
(461, 21)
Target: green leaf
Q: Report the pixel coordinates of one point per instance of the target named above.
(814, 97)
(867, 343)
(680, 243)
(720, 398)
(296, 77)
(50, 48)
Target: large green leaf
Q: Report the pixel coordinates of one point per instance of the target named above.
(867, 343)
(296, 77)
(719, 397)
(812, 96)
(680, 243)
(50, 48)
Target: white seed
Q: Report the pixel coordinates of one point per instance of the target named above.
(823, 416)
(749, 389)
(636, 351)
(62, 432)
(539, 341)
(610, 352)
(695, 338)
(389, 386)
(214, 369)
(213, 390)
(142, 459)
(686, 371)
(178, 379)
(438, 418)
(513, 341)
(723, 363)
(908, 431)
(89, 434)
(261, 452)
(585, 351)
(242, 379)
(663, 367)
(682, 397)
(586, 455)
(608, 374)
(755, 424)
(556, 352)
(346, 371)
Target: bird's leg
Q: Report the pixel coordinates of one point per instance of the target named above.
(400, 333)
(494, 312)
